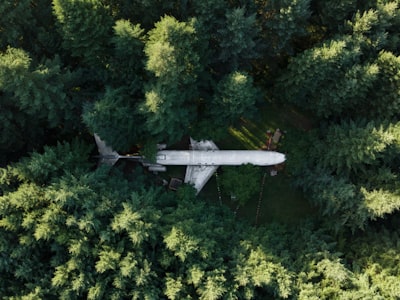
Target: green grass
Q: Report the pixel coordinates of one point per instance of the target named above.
(281, 201)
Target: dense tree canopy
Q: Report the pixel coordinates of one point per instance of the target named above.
(142, 72)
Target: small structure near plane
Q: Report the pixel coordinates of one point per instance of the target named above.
(202, 159)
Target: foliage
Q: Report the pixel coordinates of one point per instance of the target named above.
(238, 38)
(34, 100)
(20, 15)
(139, 72)
(121, 240)
(126, 63)
(149, 151)
(242, 183)
(169, 105)
(127, 241)
(114, 118)
(339, 77)
(235, 97)
(352, 172)
(357, 145)
(85, 26)
(282, 22)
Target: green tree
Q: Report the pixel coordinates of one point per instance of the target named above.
(210, 19)
(27, 25)
(96, 234)
(357, 145)
(241, 182)
(315, 74)
(334, 13)
(127, 61)
(235, 97)
(85, 26)
(18, 13)
(337, 78)
(282, 22)
(373, 255)
(170, 98)
(238, 39)
(351, 172)
(34, 100)
(200, 265)
(77, 247)
(114, 117)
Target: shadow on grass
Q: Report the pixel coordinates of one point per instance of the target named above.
(281, 201)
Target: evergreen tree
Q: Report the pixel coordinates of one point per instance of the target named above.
(127, 61)
(69, 231)
(170, 98)
(282, 22)
(115, 119)
(19, 14)
(85, 26)
(339, 77)
(241, 182)
(34, 100)
(235, 97)
(238, 39)
(351, 172)
(357, 145)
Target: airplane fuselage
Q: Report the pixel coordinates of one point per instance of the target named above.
(201, 162)
(219, 157)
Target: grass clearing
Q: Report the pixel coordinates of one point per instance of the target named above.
(281, 201)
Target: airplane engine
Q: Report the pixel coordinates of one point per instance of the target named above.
(157, 168)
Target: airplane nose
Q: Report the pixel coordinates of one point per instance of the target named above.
(281, 157)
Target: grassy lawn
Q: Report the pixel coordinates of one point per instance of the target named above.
(280, 202)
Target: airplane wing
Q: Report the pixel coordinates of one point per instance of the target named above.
(108, 155)
(199, 175)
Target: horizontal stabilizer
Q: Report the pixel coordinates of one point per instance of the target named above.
(107, 155)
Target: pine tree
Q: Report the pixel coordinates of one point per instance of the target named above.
(34, 99)
(170, 98)
(238, 39)
(114, 117)
(127, 61)
(282, 22)
(85, 26)
(339, 77)
(357, 145)
(236, 97)
(18, 13)
(241, 182)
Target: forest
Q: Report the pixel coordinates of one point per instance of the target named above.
(142, 72)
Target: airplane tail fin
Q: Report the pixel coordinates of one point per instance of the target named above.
(108, 156)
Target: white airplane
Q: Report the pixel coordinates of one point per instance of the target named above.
(202, 160)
